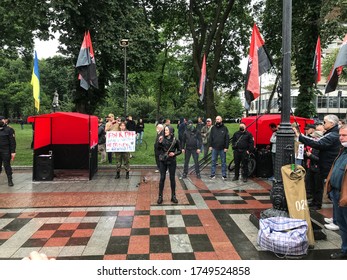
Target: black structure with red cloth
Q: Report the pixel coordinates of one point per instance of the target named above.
(66, 141)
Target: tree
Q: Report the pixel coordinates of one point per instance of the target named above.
(221, 30)
(18, 29)
(108, 22)
(310, 19)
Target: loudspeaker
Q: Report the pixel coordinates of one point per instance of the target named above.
(44, 168)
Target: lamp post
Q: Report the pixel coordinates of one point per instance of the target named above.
(124, 43)
(285, 134)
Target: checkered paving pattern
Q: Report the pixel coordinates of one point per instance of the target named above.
(109, 219)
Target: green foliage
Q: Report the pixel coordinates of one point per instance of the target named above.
(310, 18)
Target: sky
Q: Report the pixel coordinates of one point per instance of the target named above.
(46, 49)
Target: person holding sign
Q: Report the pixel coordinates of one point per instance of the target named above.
(168, 148)
(122, 157)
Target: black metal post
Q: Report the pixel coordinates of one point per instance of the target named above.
(285, 134)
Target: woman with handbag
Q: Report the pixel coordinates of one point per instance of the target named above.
(168, 147)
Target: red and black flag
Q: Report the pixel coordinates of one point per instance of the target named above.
(86, 64)
(317, 66)
(202, 79)
(259, 62)
(341, 60)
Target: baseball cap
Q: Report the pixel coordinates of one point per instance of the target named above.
(209, 120)
(308, 126)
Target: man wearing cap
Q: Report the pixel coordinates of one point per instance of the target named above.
(205, 135)
(7, 149)
(309, 129)
(191, 144)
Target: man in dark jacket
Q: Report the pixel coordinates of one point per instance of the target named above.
(328, 145)
(242, 144)
(191, 143)
(7, 149)
(219, 139)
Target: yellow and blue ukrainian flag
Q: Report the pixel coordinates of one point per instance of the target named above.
(35, 82)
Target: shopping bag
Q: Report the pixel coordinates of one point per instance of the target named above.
(282, 235)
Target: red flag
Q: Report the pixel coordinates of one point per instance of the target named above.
(341, 60)
(202, 79)
(86, 64)
(259, 62)
(317, 62)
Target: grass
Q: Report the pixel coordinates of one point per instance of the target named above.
(24, 153)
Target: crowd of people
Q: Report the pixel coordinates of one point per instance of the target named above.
(321, 150)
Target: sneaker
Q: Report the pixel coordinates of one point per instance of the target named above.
(212, 177)
(156, 171)
(329, 220)
(331, 226)
(224, 177)
(339, 255)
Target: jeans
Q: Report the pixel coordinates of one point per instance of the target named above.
(222, 155)
(241, 156)
(341, 218)
(139, 136)
(163, 167)
(195, 156)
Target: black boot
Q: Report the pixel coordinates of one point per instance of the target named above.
(10, 182)
(173, 198)
(117, 175)
(127, 175)
(160, 199)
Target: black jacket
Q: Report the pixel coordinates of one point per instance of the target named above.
(7, 140)
(329, 146)
(166, 147)
(191, 139)
(131, 125)
(219, 137)
(242, 141)
(101, 134)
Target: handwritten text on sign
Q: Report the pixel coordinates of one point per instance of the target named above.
(120, 141)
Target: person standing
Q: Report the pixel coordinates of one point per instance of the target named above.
(219, 139)
(329, 147)
(122, 158)
(159, 130)
(130, 124)
(168, 147)
(7, 149)
(337, 189)
(111, 125)
(102, 140)
(205, 135)
(313, 177)
(242, 144)
(191, 144)
(140, 128)
(273, 139)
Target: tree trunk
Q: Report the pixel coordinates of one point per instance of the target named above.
(210, 108)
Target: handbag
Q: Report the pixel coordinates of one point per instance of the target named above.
(282, 235)
(165, 156)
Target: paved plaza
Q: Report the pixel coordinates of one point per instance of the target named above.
(108, 219)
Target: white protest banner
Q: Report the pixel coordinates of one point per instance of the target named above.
(120, 141)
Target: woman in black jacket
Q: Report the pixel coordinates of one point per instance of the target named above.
(168, 148)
